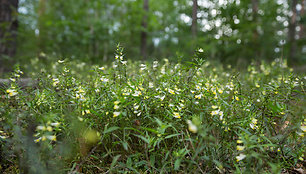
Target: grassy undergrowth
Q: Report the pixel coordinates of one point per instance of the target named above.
(154, 117)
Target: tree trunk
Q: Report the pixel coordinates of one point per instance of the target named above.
(41, 26)
(255, 14)
(292, 33)
(255, 33)
(302, 14)
(8, 29)
(94, 46)
(144, 24)
(194, 18)
(105, 53)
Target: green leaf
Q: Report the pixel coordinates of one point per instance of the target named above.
(150, 130)
(111, 129)
(143, 138)
(95, 157)
(115, 159)
(152, 160)
(125, 145)
(129, 162)
(177, 164)
(173, 135)
(131, 128)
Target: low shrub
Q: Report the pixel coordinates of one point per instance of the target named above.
(154, 117)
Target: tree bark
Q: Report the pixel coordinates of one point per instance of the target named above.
(144, 33)
(194, 18)
(8, 29)
(302, 14)
(255, 14)
(255, 9)
(41, 26)
(255, 33)
(292, 33)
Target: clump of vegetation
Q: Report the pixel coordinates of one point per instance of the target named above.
(154, 117)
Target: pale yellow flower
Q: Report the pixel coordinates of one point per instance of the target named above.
(37, 140)
(151, 85)
(11, 92)
(137, 93)
(176, 115)
(191, 127)
(51, 137)
(116, 114)
(236, 98)
(43, 128)
(240, 157)
(81, 90)
(240, 148)
(303, 128)
(116, 107)
(198, 96)
(214, 107)
(239, 141)
(56, 124)
(55, 81)
(49, 128)
(171, 91)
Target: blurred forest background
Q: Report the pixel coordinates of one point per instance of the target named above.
(231, 31)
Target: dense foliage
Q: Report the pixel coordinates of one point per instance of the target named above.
(153, 117)
(229, 30)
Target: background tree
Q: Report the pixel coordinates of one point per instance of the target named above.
(41, 27)
(8, 29)
(302, 23)
(194, 18)
(144, 24)
(292, 31)
(231, 31)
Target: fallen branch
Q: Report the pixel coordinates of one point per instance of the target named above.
(24, 82)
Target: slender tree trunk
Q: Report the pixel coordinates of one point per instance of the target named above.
(106, 41)
(105, 53)
(194, 18)
(302, 14)
(94, 41)
(255, 14)
(40, 24)
(255, 33)
(8, 29)
(292, 33)
(144, 33)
